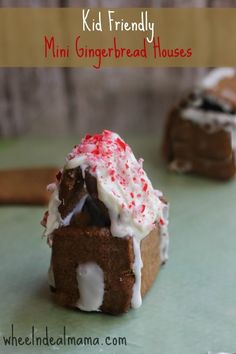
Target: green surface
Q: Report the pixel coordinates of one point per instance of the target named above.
(191, 309)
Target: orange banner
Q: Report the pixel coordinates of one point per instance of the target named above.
(76, 37)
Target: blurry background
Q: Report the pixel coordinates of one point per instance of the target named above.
(68, 101)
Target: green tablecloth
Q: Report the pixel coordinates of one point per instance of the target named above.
(191, 309)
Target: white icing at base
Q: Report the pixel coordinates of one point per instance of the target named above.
(136, 300)
(90, 280)
(215, 76)
(51, 279)
(77, 209)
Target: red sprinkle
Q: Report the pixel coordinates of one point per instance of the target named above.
(95, 151)
(97, 137)
(143, 207)
(162, 222)
(132, 195)
(111, 172)
(121, 144)
(145, 187)
(126, 165)
(113, 179)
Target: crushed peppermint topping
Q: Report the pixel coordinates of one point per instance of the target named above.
(122, 183)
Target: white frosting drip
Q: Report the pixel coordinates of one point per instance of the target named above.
(164, 244)
(164, 241)
(54, 218)
(136, 300)
(51, 279)
(90, 280)
(77, 209)
(215, 76)
(202, 117)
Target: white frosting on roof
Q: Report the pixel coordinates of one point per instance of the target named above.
(215, 76)
(123, 186)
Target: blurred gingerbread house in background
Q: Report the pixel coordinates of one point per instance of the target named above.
(200, 134)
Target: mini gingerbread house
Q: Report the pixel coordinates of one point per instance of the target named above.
(107, 227)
